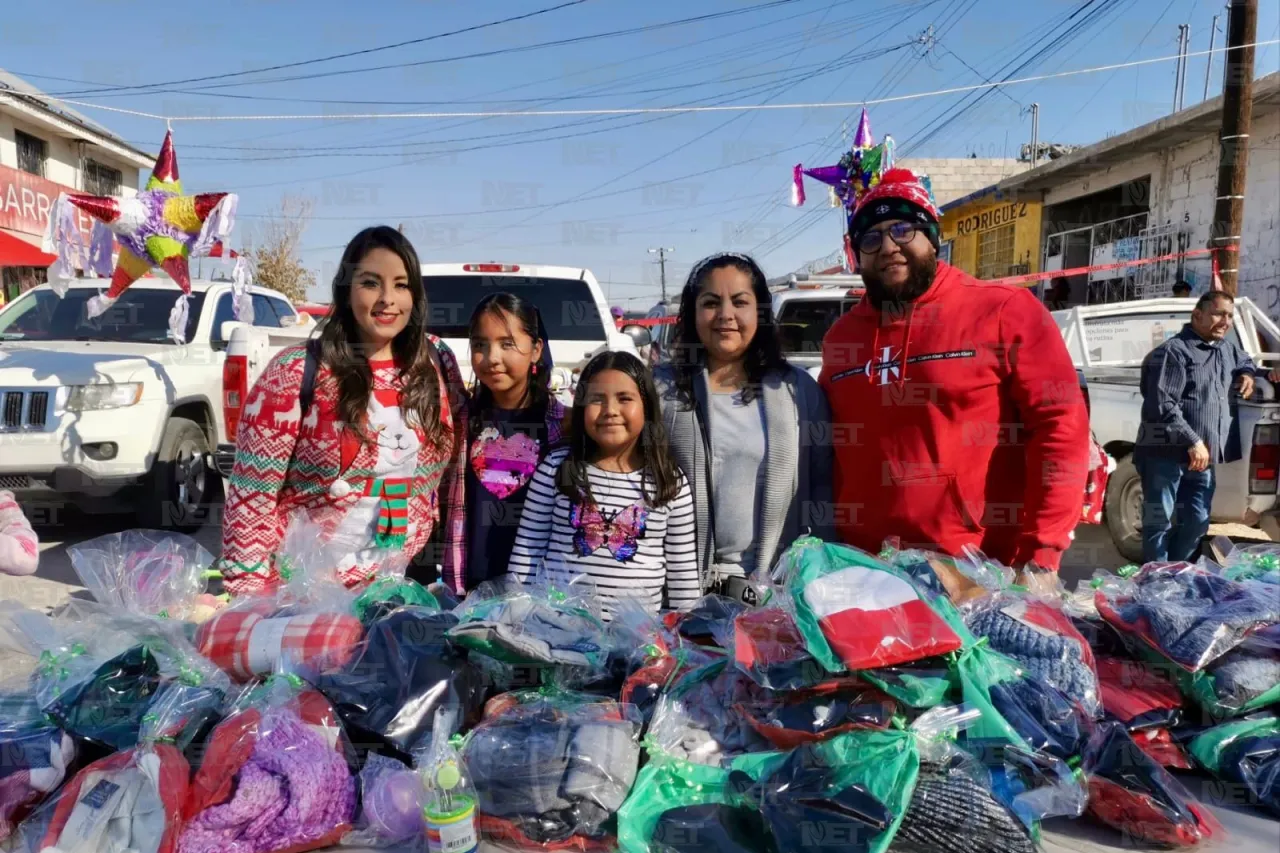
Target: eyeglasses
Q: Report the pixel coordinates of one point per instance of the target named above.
(901, 233)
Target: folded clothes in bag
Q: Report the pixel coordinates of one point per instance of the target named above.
(526, 630)
(1188, 614)
(1137, 694)
(406, 670)
(109, 706)
(1128, 790)
(951, 812)
(1246, 752)
(34, 758)
(256, 638)
(789, 720)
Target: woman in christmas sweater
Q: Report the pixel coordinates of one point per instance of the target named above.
(375, 459)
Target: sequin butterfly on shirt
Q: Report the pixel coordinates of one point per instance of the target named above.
(619, 533)
(503, 465)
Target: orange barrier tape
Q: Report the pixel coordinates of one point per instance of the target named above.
(1033, 278)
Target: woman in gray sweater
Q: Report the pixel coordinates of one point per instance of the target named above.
(751, 432)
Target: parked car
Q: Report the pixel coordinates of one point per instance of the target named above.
(806, 308)
(110, 413)
(1108, 343)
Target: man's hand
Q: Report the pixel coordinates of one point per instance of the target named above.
(1274, 374)
(1039, 583)
(1199, 456)
(1245, 386)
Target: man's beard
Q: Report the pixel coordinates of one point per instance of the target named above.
(920, 275)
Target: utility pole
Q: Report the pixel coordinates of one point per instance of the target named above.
(1233, 141)
(662, 252)
(1208, 64)
(1035, 133)
(1186, 48)
(1179, 73)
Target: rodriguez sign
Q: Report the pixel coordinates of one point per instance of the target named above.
(25, 201)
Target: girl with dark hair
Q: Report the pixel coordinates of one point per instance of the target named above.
(514, 421)
(613, 505)
(751, 432)
(360, 429)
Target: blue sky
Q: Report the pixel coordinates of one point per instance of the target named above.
(592, 191)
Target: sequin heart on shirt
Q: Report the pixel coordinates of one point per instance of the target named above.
(503, 464)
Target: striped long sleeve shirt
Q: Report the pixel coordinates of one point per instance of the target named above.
(1186, 382)
(628, 548)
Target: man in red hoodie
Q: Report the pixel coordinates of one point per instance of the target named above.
(957, 415)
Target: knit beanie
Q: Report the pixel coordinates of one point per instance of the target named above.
(898, 195)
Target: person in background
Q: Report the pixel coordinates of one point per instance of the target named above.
(617, 314)
(19, 546)
(378, 450)
(613, 505)
(1059, 296)
(514, 420)
(1181, 290)
(958, 418)
(750, 431)
(1186, 418)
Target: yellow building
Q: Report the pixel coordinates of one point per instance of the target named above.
(990, 234)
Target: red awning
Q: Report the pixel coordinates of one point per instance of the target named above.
(16, 252)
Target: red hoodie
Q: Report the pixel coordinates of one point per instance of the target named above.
(980, 438)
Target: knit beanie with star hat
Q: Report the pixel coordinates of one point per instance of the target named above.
(898, 195)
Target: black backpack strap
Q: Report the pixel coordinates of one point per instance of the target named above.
(307, 392)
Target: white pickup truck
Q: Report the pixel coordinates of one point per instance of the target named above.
(806, 307)
(1108, 343)
(110, 414)
(570, 300)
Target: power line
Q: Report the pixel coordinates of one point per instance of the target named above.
(446, 59)
(661, 110)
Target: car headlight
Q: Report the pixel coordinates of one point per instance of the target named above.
(103, 395)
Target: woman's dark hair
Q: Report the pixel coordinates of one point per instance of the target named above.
(340, 348)
(688, 355)
(659, 468)
(538, 392)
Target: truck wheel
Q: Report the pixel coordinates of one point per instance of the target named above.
(1123, 509)
(178, 489)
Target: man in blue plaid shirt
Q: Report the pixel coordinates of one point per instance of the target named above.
(1186, 418)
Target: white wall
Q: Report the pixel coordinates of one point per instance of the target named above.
(62, 166)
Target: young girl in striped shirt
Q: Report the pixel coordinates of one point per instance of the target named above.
(613, 505)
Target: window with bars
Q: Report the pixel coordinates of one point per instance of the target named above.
(100, 179)
(995, 252)
(32, 153)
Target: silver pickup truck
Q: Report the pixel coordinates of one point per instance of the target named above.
(1107, 345)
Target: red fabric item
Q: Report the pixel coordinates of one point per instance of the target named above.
(331, 638)
(497, 829)
(959, 422)
(1130, 689)
(1095, 490)
(174, 775)
(1137, 817)
(1163, 749)
(906, 632)
(232, 743)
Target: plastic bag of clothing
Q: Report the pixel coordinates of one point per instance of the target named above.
(696, 719)
(131, 801)
(1129, 791)
(1017, 708)
(306, 626)
(1187, 613)
(1145, 699)
(1250, 562)
(400, 676)
(1246, 752)
(551, 768)
(920, 684)
(554, 621)
(275, 776)
(1243, 680)
(658, 656)
(848, 793)
(385, 594)
(35, 756)
(98, 668)
(147, 573)
(954, 808)
(792, 719)
(708, 621)
(1035, 631)
(768, 647)
(856, 612)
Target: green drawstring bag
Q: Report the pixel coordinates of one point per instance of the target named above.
(1244, 752)
(921, 685)
(387, 593)
(857, 612)
(874, 771)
